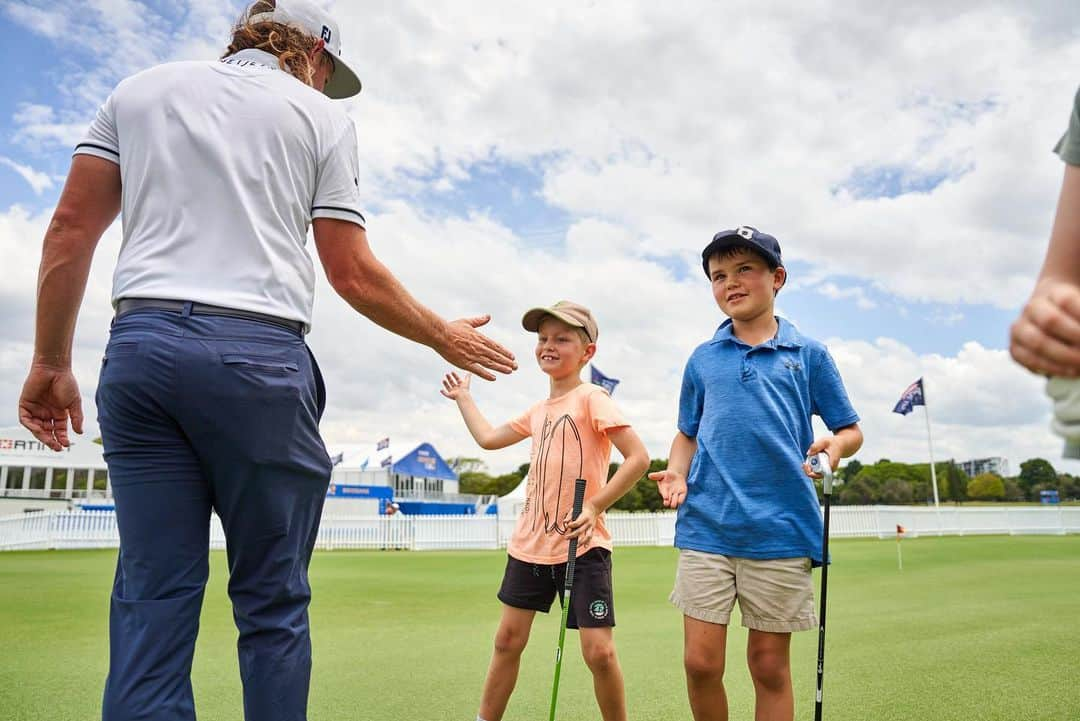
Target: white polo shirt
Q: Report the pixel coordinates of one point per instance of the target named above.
(224, 164)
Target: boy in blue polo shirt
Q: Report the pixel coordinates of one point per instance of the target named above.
(749, 525)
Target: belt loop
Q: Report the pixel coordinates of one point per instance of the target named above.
(186, 312)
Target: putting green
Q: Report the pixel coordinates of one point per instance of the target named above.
(973, 629)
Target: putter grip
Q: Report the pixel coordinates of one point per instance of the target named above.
(579, 499)
(820, 464)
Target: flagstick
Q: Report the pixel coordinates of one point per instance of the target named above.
(899, 556)
(930, 442)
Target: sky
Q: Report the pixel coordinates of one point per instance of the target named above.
(516, 153)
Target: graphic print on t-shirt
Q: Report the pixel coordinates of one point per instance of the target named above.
(552, 474)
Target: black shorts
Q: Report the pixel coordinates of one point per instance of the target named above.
(533, 586)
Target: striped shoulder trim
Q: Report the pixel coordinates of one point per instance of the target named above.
(98, 147)
(342, 210)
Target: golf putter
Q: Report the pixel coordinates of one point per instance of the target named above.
(820, 464)
(579, 498)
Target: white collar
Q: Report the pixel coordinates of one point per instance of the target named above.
(253, 56)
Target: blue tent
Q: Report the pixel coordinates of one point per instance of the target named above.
(424, 462)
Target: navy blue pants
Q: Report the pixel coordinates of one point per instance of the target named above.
(202, 413)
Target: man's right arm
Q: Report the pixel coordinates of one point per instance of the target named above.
(370, 288)
(1044, 338)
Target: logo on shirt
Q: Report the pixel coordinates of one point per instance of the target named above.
(598, 609)
(793, 365)
(557, 462)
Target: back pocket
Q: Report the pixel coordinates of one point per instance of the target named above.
(261, 363)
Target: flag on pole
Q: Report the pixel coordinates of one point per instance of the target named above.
(384, 443)
(915, 395)
(602, 380)
(334, 460)
(900, 530)
(387, 462)
(910, 398)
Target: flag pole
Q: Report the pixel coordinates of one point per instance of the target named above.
(930, 443)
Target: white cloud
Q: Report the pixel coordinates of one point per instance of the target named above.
(50, 23)
(652, 124)
(32, 113)
(381, 385)
(855, 293)
(104, 41)
(650, 130)
(980, 403)
(946, 318)
(39, 181)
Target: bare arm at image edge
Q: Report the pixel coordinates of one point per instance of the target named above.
(372, 290)
(1045, 338)
(89, 203)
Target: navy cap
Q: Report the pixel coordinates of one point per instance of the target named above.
(744, 236)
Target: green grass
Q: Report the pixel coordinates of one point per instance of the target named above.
(978, 629)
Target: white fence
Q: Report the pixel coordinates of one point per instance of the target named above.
(97, 529)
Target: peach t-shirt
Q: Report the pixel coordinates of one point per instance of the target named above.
(569, 441)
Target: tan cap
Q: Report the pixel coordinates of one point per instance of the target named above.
(570, 313)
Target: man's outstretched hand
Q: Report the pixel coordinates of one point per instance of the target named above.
(471, 350)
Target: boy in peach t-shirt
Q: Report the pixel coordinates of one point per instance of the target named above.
(572, 433)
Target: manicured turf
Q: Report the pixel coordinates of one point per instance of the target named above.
(978, 629)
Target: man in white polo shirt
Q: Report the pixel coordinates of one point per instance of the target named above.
(208, 398)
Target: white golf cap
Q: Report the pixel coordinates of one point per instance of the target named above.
(316, 22)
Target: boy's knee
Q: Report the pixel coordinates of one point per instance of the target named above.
(769, 669)
(600, 656)
(703, 667)
(510, 641)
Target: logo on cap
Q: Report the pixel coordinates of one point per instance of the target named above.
(326, 33)
(745, 231)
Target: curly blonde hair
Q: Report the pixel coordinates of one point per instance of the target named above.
(291, 45)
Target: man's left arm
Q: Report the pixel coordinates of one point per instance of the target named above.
(89, 202)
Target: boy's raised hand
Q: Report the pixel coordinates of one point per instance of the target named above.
(455, 386)
(672, 487)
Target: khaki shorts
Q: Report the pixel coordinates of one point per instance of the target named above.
(774, 595)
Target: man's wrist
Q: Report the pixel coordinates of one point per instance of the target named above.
(52, 361)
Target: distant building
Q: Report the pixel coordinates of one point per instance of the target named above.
(366, 479)
(976, 466)
(34, 477)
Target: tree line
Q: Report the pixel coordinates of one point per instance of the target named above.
(884, 482)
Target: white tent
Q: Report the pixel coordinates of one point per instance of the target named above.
(513, 502)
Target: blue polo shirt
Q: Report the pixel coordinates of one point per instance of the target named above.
(749, 408)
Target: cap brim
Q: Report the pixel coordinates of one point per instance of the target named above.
(343, 83)
(531, 320)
